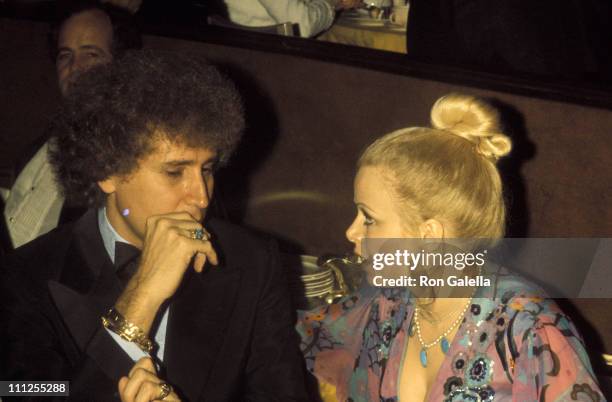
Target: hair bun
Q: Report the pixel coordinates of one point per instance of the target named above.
(473, 119)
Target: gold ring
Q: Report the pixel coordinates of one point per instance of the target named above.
(165, 390)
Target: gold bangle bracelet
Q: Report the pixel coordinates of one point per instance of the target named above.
(114, 321)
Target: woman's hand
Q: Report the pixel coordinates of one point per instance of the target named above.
(143, 385)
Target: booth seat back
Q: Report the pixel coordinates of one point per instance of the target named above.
(309, 120)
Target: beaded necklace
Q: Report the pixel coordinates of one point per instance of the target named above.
(440, 319)
(444, 344)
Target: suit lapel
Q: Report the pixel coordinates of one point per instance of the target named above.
(87, 286)
(199, 315)
(199, 311)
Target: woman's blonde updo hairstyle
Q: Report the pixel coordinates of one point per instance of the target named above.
(448, 172)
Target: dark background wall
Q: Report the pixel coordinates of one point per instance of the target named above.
(308, 121)
(315, 117)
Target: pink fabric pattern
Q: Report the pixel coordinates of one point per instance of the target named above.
(514, 344)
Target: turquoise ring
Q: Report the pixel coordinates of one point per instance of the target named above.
(200, 234)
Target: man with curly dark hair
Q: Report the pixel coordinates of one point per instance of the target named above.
(143, 298)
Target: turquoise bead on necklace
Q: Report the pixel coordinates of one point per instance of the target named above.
(444, 346)
(442, 339)
(423, 356)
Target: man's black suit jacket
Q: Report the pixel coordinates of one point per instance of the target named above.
(229, 337)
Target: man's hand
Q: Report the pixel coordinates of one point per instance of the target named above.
(167, 251)
(143, 385)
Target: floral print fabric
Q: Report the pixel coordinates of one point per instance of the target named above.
(513, 345)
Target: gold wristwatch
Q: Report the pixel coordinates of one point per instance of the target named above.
(114, 321)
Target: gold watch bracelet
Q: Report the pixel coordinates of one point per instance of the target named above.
(116, 322)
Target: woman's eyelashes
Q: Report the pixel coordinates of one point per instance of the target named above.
(367, 219)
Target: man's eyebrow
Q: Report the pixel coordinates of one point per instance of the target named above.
(92, 47)
(188, 162)
(84, 47)
(180, 162)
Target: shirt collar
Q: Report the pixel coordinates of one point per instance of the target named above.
(109, 234)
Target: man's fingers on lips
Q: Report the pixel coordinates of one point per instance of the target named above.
(177, 215)
(174, 216)
(184, 224)
(191, 216)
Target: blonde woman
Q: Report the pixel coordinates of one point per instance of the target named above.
(501, 342)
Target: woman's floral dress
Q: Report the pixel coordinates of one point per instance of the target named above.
(513, 345)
